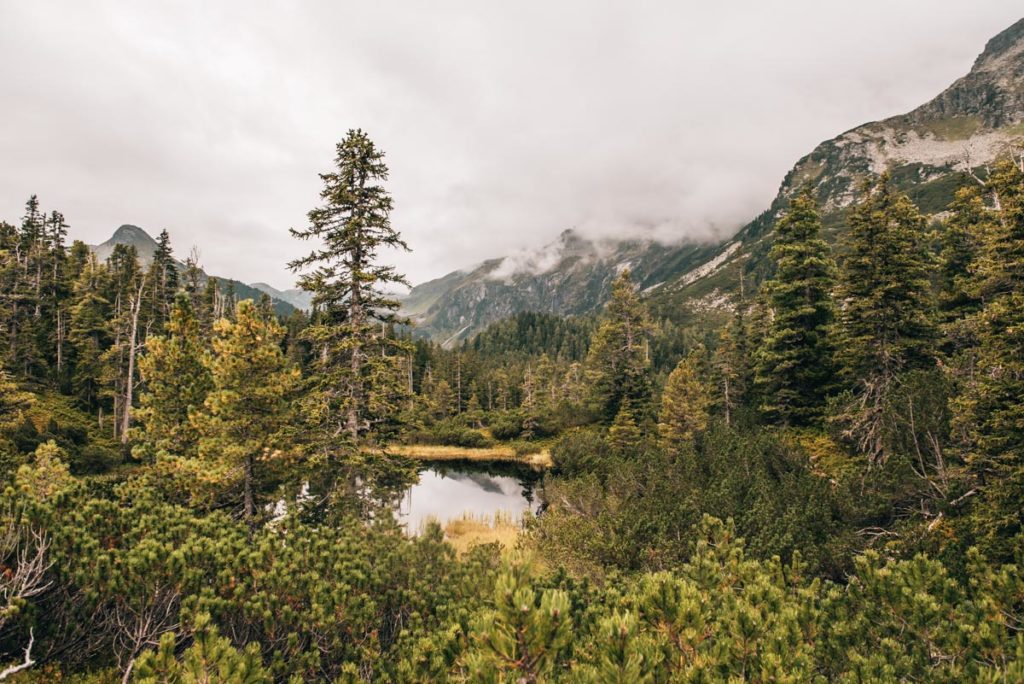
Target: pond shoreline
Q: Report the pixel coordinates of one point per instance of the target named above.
(499, 454)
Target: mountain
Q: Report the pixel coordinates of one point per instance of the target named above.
(145, 246)
(300, 299)
(929, 151)
(130, 235)
(572, 275)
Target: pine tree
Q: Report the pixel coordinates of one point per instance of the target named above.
(12, 402)
(474, 413)
(684, 403)
(886, 307)
(177, 383)
(57, 290)
(129, 292)
(625, 435)
(163, 276)
(89, 333)
(359, 379)
(618, 365)
(795, 360)
(441, 400)
(25, 321)
(991, 408)
(210, 658)
(247, 410)
(523, 636)
(733, 368)
(961, 239)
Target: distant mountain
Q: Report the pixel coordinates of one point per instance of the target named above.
(145, 246)
(572, 275)
(298, 298)
(130, 235)
(929, 152)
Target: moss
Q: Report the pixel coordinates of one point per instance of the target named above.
(955, 128)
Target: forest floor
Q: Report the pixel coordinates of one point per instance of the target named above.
(434, 452)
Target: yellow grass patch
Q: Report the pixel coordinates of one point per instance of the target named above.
(471, 530)
(434, 452)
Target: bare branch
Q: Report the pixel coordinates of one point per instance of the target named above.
(24, 665)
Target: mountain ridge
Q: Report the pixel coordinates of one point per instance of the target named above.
(930, 151)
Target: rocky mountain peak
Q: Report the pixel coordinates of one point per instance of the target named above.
(129, 234)
(1008, 43)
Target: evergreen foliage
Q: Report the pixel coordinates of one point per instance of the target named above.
(242, 427)
(177, 382)
(991, 406)
(618, 367)
(359, 380)
(684, 403)
(886, 324)
(794, 369)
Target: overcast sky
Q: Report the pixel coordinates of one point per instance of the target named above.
(503, 122)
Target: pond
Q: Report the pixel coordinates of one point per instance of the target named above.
(448, 490)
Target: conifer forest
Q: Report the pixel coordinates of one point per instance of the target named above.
(818, 479)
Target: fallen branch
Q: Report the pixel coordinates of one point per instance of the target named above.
(14, 669)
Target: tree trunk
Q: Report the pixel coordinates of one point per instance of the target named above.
(250, 507)
(60, 341)
(130, 384)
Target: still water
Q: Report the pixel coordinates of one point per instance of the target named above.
(450, 489)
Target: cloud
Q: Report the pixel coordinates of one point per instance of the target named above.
(504, 123)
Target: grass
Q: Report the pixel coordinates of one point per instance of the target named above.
(954, 128)
(433, 452)
(472, 530)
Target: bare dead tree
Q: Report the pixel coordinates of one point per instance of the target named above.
(23, 573)
(136, 627)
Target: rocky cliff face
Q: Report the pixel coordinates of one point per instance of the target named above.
(929, 152)
(966, 126)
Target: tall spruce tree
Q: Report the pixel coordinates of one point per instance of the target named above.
(163, 278)
(991, 408)
(794, 363)
(358, 374)
(89, 332)
(618, 366)
(57, 289)
(886, 325)
(733, 368)
(246, 412)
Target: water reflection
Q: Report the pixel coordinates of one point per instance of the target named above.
(448, 490)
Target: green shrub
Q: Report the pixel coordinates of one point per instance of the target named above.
(506, 425)
(578, 452)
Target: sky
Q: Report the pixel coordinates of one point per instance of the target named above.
(503, 123)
